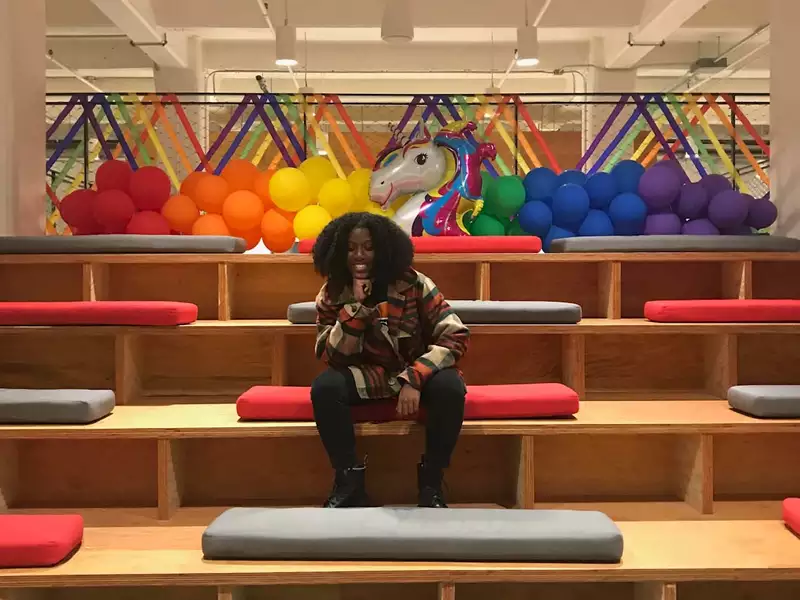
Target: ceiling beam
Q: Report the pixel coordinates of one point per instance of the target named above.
(135, 19)
(660, 19)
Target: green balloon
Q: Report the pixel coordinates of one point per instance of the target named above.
(486, 179)
(487, 225)
(504, 197)
(514, 228)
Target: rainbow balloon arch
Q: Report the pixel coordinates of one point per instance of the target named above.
(628, 183)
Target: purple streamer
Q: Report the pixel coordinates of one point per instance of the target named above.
(616, 141)
(412, 106)
(653, 125)
(87, 108)
(603, 131)
(448, 104)
(62, 115)
(112, 121)
(679, 133)
(274, 133)
(62, 145)
(236, 142)
(287, 126)
(237, 113)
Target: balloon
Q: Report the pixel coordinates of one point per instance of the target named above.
(728, 209)
(573, 176)
(149, 188)
(251, 237)
(699, 227)
(277, 232)
(359, 184)
(148, 222)
(662, 224)
(290, 189)
(210, 224)
(596, 223)
(242, 210)
(570, 206)
(628, 212)
(310, 221)
(210, 193)
(180, 212)
(762, 213)
(487, 225)
(555, 233)
(77, 210)
(693, 201)
(540, 183)
(336, 196)
(504, 197)
(113, 210)
(240, 174)
(318, 170)
(514, 228)
(675, 167)
(627, 174)
(535, 218)
(715, 184)
(659, 187)
(189, 185)
(113, 175)
(602, 189)
(261, 187)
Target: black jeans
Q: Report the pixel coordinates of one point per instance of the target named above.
(334, 391)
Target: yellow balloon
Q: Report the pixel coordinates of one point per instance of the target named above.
(336, 197)
(318, 170)
(289, 189)
(359, 183)
(310, 221)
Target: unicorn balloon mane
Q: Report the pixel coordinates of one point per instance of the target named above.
(440, 173)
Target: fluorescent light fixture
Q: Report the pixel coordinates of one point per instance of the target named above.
(527, 46)
(285, 38)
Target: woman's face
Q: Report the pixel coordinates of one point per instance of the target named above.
(360, 253)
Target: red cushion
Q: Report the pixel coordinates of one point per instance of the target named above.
(722, 311)
(38, 540)
(125, 312)
(464, 244)
(518, 401)
(791, 514)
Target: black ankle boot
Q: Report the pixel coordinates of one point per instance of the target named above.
(429, 483)
(348, 489)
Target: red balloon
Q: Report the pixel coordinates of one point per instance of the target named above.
(150, 188)
(113, 175)
(77, 211)
(113, 210)
(148, 223)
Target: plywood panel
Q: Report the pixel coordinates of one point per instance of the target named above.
(302, 366)
(86, 473)
(41, 283)
(776, 279)
(607, 468)
(546, 591)
(297, 472)
(264, 291)
(204, 364)
(756, 466)
(196, 283)
(739, 590)
(457, 281)
(369, 591)
(646, 362)
(496, 359)
(555, 282)
(768, 359)
(668, 281)
(132, 593)
(52, 358)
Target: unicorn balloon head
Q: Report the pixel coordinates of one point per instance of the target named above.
(416, 166)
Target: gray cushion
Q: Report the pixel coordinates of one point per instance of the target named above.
(122, 244)
(473, 312)
(462, 534)
(778, 401)
(677, 243)
(54, 406)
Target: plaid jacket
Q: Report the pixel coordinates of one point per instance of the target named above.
(418, 335)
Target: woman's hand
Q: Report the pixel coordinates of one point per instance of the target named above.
(362, 288)
(408, 402)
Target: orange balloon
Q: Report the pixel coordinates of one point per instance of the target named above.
(180, 212)
(189, 185)
(261, 187)
(277, 232)
(240, 174)
(242, 210)
(210, 225)
(252, 237)
(210, 193)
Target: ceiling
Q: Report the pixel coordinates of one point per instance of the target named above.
(459, 46)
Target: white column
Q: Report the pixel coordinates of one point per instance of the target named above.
(22, 117)
(784, 126)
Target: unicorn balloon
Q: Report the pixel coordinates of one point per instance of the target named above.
(440, 173)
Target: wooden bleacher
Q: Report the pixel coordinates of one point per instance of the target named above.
(695, 486)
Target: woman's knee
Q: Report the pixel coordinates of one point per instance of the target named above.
(446, 386)
(329, 385)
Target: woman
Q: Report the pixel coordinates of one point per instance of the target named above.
(385, 332)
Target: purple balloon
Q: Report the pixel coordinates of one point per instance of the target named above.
(662, 224)
(674, 166)
(728, 209)
(715, 184)
(699, 227)
(693, 201)
(659, 187)
(762, 213)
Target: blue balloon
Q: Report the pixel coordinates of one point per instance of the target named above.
(540, 183)
(596, 223)
(602, 189)
(573, 176)
(570, 206)
(535, 218)
(628, 213)
(555, 233)
(627, 174)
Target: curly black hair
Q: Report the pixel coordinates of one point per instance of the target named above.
(394, 252)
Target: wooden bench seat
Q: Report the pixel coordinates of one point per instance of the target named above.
(654, 552)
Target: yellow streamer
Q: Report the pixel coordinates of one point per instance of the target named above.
(321, 137)
(739, 142)
(326, 113)
(156, 143)
(501, 131)
(159, 108)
